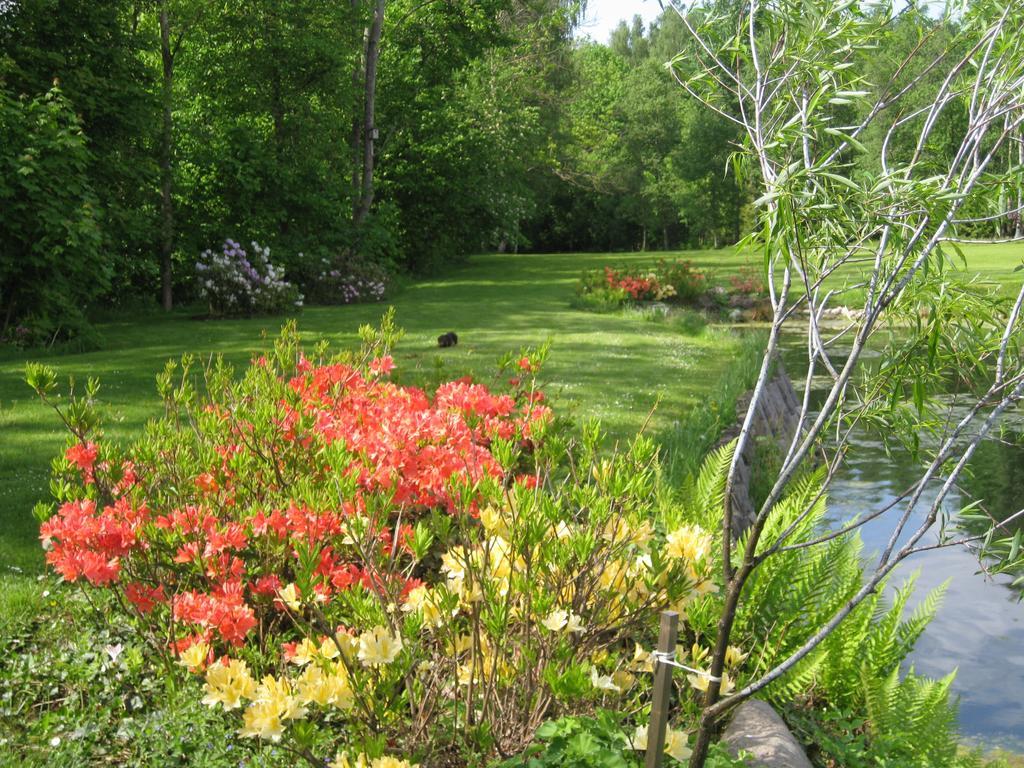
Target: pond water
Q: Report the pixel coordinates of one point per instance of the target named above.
(979, 627)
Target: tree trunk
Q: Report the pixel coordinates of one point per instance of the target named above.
(356, 138)
(369, 129)
(166, 163)
(277, 114)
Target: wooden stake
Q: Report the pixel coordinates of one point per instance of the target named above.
(658, 726)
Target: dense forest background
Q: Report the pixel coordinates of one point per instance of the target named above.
(134, 134)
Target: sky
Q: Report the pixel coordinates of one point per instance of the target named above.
(604, 15)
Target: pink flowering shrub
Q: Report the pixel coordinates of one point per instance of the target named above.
(356, 567)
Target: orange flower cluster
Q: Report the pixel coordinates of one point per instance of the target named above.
(640, 288)
(228, 546)
(406, 444)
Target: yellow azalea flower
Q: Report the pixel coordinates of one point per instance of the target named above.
(462, 643)
(432, 614)
(603, 682)
(676, 745)
(493, 522)
(688, 542)
(467, 595)
(705, 587)
(342, 760)
(391, 762)
(556, 620)
(699, 680)
(620, 530)
(641, 534)
(227, 684)
(279, 692)
(613, 576)
(422, 599)
(702, 680)
(416, 598)
(574, 623)
(623, 679)
(290, 597)
(562, 531)
(500, 560)
(727, 684)
(194, 657)
(324, 687)
(272, 705)
(641, 660)
(615, 530)
(378, 647)
(639, 739)
(560, 619)
(262, 720)
(453, 563)
(464, 674)
(698, 654)
(734, 656)
(312, 686)
(305, 652)
(329, 649)
(347, 644)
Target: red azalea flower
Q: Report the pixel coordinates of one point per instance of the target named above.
(382, 366)
(144, 598)
(206, 482)
(83, 456)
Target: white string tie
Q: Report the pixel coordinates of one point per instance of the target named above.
(669, 659)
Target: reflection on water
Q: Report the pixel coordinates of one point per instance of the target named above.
(979, 627)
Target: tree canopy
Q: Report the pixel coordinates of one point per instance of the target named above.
(393, 132)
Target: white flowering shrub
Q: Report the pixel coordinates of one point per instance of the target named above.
(234, 281)
(347, 279)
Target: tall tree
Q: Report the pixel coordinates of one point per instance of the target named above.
(96, 51)
(369, 127)
(170, 44)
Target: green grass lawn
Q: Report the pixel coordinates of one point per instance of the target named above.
(612, 366)
(996, 264)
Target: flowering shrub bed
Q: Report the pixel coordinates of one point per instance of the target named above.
(639, 287)
(234, 281)
(348, 280)
(749, 282)
(687, 282)
(367, 572)
(676, 281)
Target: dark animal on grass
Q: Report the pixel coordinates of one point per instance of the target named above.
(447, 339)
